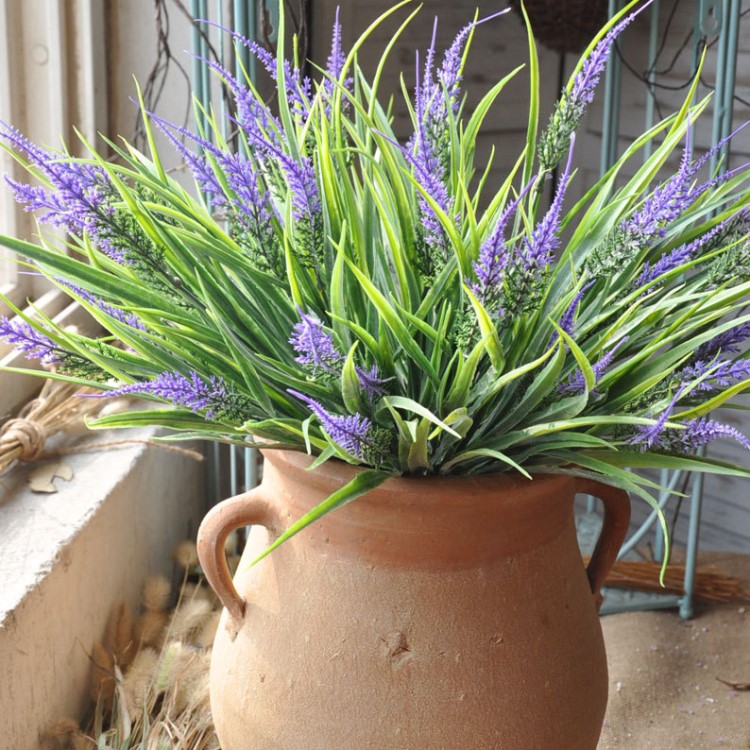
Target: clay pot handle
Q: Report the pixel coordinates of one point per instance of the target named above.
(614, 528)
(242, 510)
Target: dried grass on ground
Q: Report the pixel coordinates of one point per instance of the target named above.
(149, 682)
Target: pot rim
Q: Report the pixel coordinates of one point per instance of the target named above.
(334, 473)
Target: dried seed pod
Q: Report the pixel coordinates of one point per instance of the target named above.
(156, 593)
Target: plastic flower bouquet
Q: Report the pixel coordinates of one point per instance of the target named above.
(330, 289)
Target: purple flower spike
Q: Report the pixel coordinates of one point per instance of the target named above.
(493, 255)
(191, 392)
(724, 343)
(699, 432)
(679, 256)
(297, 89)
(79, 198)
(25, 338)
(567, 321)
(666, 203)
(649, 436)
(449, 74)
(569, 110)
(336, 58)
(129, 319)
(538, 250)
(372, 385)
(314, 346)
(718, 374)
(354, 433)
(587, 78)
(576, 383)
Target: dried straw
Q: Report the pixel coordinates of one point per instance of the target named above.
(150, 677)
(711, 583)
(59, 407)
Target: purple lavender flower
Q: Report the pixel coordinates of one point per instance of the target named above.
(669, 202)
(567, 321)
(712, 372)
(587, 78)
(567, 115)
(679, 256)
(198, 163)
(725, 342)
(25, 338)
(192, 392)
(354, 433)
(297, 88)
(253, 116)
(664, 204)
(336, 58)
(716, 375)
(129, 319)
(428, 88)
(428, 146)
(449, 74)
(371, 384)
(535, 253)
(429, 173)
(334, 67)
(576, 383)
(305, 195)
(539, 249)
(423, 153)
(649, 436)
(494, 255)
(697, 433)
(315, 346)
(80, 199)
(250, 206)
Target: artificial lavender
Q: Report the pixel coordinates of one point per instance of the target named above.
(494, 255)
(370, 382)
(25, 338)
(248, 206)
(536, 251)
(213, 397)
(651, 221)
(297, 88)
(430, 176)
(36, 345)
(299, 176)
(354, 433)
(129, 319)
(679, 256)
(665, 204)
(724, 343)
(566, 118)
(697, 433)
(567, 321)
(576, 383)
(649, 436)
(335, 62)
(715, 375)
(80, 198)
(315, 347)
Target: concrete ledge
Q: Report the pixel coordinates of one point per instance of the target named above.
(67, 558)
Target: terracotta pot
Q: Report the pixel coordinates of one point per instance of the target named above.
(429, 614)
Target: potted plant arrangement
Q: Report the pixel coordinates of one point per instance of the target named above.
(456, 357)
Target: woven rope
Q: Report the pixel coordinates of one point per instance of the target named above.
(26, 434)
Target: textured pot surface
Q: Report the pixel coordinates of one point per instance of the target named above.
(430, 614)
